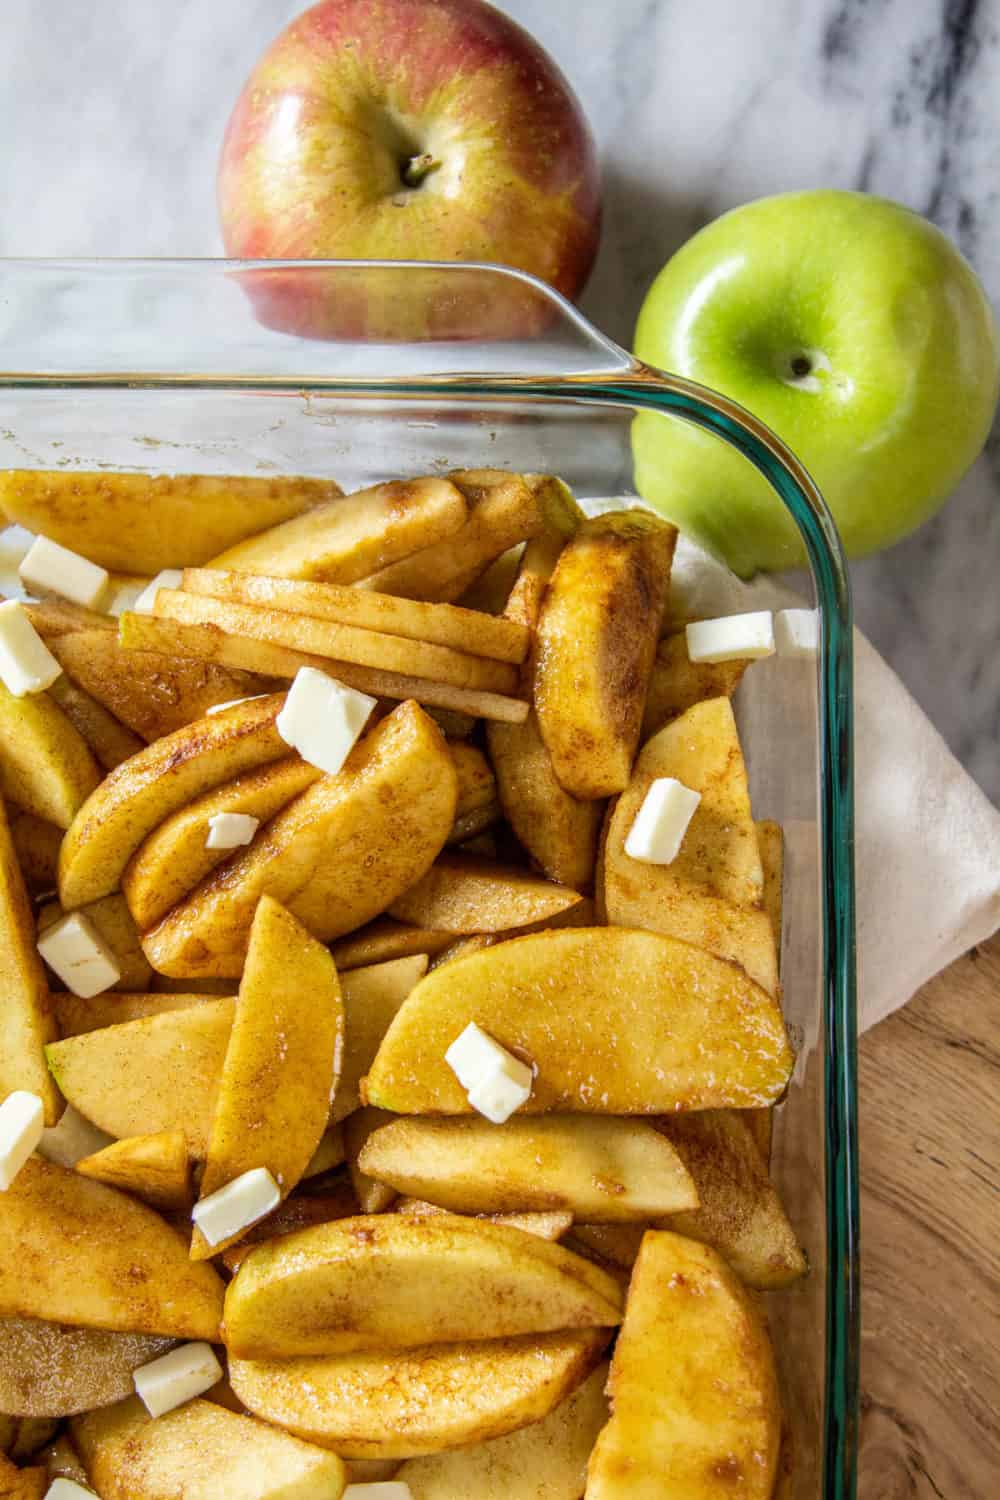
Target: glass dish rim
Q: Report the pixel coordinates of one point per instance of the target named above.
(624, 381)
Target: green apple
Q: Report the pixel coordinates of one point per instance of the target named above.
(854, 329)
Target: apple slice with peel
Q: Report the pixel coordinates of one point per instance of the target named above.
(336, 856)
(46, 766)
(546, 1461)
(145, 790)
(677, 683)
(548, 1225)
(614, 1021)
(26, 1022)
(389, 1282)
(372, 997)
(78, 1252)
(48, 1370)
(174, 858)
(156, 1168)
(694, 1395)
(142, 523)
(347, 538)
(402, 1403)
(600, 1169)
(595, 644)
(461, 894)
(711, 893)
(76, 1016)
(739, 1212)
(36, 844)
(201, 1451)
(158, 1073)
(281, 1064)
(374, 1197)
(156, 693)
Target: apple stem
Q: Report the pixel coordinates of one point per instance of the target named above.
(417, 168)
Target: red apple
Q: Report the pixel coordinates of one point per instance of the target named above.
(402, 130)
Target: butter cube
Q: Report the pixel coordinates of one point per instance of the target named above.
(48, 568)
(661, 822)
(230, 830)
(731, 637)
(26, 663)
(176, 1377)
(73, 948)
(322, 719)
(22, 1120)
(796, 632)
(237, 1205)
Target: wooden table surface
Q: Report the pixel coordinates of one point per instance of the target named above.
(930, 1226)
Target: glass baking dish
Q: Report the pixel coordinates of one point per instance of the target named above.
(214, 367)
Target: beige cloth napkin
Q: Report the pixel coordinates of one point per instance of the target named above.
(928, 841)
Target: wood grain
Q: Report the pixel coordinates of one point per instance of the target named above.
(930, 1174)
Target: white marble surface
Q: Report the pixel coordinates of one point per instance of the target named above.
(111, 112)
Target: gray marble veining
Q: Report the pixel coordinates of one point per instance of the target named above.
(111, 115)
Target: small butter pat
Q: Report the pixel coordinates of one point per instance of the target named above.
(67, 1489)
(237, 1205)
(322, 719)
(169, 578)
(48, 568)
(382, 1489)
(176, 1377)
(230, 830)
(74, 949)
(731, 637)
(495, 1081)
(22, 1120)
(662, 821)
(26, 663)
(796, 632)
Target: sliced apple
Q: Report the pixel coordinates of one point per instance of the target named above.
(336, 856)
(372, 996)
(299, 1212)
(558, 830)
(109, 739)
(612, 1245)
(384, 939)
(601, 1170)
(406, 1402)
(174, 858)
(26, 1021)
(503, 509)
(46, 766)
(22, 1484)
(374, 1197)
(48, 1370)
(36, 844)
(78, 1252)
(391, 1282)
(201, 1451)
(350, 537)
(477, 787)
(676, 683)
(146, 1076)
(141, 523)
(282, 1061)
(711, 894)
(613, 1021)
(338, 643)
(547, 1225)
(739, 1211)
(145, 790)
(694, 1395)
(595, 645)
(156, 1168)
(75, 1016)
(546, 1461)
(466, 630)
(153, 693)
(115, 925)
(461, 894)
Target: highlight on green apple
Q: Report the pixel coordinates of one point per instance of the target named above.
(851, 326)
